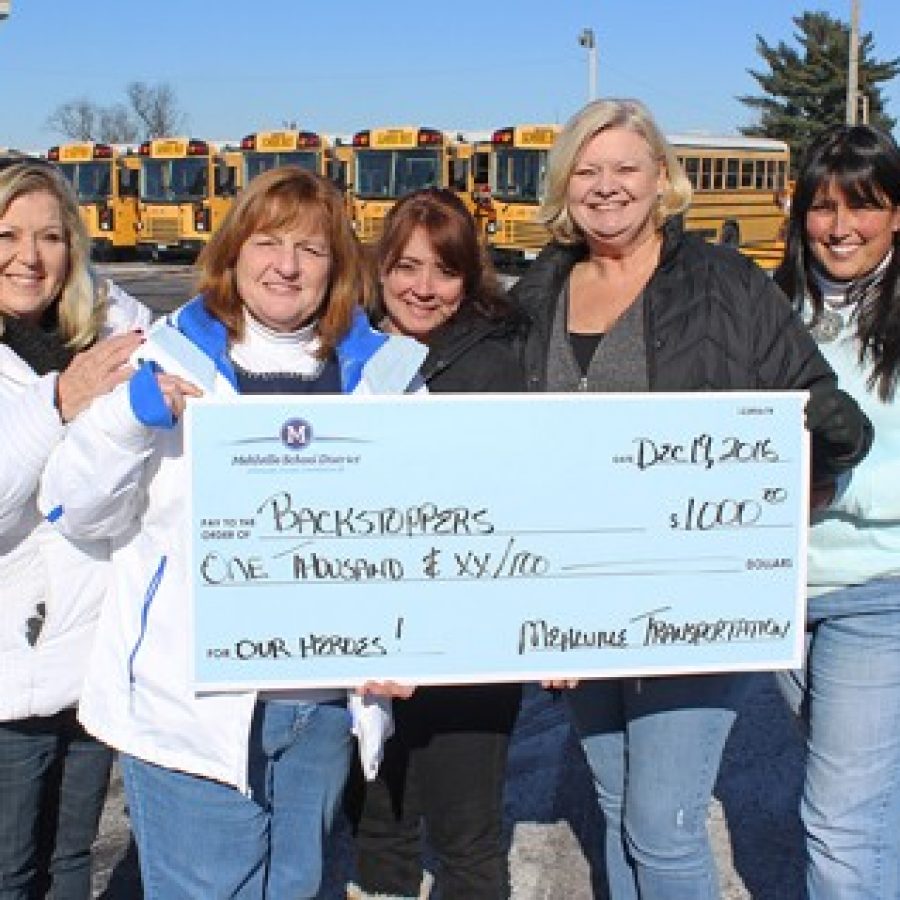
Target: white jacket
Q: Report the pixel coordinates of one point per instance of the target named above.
(115, 478)
(50, 589)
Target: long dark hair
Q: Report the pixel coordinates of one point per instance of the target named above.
(454, 236)
(863, 163)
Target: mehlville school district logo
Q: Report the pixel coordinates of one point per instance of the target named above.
(296, 434)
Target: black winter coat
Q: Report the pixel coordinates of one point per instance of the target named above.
(472, 354)
(713, 321)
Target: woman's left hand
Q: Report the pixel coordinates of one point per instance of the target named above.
(95, 372)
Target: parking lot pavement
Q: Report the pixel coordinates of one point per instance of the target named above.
(552, 821)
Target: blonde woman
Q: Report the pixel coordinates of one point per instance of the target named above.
(623, 300)
(54, 361)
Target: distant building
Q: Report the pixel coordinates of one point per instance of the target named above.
(4, 8)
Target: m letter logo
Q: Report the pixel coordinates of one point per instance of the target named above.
(296, 434)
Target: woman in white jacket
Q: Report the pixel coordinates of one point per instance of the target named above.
(230, 794)
(53, 363)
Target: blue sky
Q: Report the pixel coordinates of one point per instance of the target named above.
(338, 67)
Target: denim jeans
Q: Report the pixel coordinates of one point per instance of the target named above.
(53, 780)
(654, 746)
(444, 766)
(849, 698)
(199, 839)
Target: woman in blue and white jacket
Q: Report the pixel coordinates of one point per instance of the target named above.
(842, 265)
(54, 316)
(229, 794)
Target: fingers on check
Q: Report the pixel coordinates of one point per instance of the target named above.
(115, 351)
(386, 689)
(177, 383)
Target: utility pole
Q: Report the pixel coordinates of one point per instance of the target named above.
(853, 65)
(586, 40)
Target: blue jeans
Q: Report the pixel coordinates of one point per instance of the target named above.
(849, 697)
(201, 840)
(53, 779)
(654, 746)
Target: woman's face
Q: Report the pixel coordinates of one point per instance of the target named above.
(846, 239)
(34, 255)
(283, 275)
(420, 292)
(613, 188)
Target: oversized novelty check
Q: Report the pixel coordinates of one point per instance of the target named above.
(445, 539)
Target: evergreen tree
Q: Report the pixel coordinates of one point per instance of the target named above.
(806, 89)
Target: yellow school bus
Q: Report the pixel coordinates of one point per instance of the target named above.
(517, 169)
(105, 180)
(391, 162)
(264, 150)
(740, 187)
(319, 153)
(186, 187)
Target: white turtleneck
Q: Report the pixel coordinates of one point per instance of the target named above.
(263, 350)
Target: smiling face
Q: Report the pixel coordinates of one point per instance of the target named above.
(420, 293)
(849, 239)
(613, 189)
(34, 255)
(282, 275)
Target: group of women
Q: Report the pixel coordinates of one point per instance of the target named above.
(231, 794)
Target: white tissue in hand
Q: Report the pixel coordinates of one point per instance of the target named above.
(373, 724)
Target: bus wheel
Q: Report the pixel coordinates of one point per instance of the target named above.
(731, 234)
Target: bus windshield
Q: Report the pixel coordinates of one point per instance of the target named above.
(173, 180)
(520, 175)
(391, 174)
(257, 163)
(91, 180)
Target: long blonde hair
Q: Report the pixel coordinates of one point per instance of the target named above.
(588, 121)
(81, 304)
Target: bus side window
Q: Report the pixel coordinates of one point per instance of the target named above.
(225, 180)
(337, 174)
(459, 174)
(128, 182)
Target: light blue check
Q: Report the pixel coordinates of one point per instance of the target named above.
(436, 539)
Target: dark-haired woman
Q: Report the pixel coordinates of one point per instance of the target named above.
(841, 266)
(446, 762)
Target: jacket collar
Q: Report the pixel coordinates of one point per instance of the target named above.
(209, 334)
(541, 284)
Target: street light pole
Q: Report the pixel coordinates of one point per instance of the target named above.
(586, 40)
(853, 66)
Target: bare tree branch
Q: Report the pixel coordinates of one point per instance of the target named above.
(75, 119)
(117, 126)
(156, 107)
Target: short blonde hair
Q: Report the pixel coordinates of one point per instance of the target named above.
(276, 199)
(590, 120)
(81, 305)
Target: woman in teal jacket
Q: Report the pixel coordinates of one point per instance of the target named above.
(842, 266)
